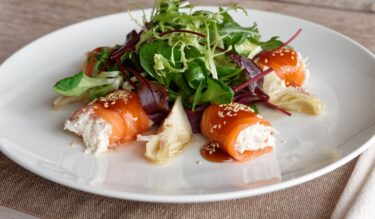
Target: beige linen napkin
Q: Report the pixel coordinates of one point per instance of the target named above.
(13, 214)
(358, 198)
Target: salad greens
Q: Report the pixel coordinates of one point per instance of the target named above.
(196, 54)
(80, 83)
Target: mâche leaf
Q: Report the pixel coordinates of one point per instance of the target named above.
(271, 44)
(216, 92)
(195, 74)
(79, 83)
(163, 52)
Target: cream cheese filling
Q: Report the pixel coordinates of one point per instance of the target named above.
(255, 137)
(94, 130)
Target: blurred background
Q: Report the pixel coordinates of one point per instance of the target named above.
(23, 21)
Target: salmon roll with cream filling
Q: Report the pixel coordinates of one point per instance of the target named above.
(287, 64)
(110, 120)
(238, 130)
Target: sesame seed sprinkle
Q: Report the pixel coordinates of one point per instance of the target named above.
(114, 96)
(229, 110)
(236, 107)
(211, 147)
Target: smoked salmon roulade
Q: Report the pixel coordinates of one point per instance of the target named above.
(287, 64)
(238, 130)
(110, 120)
(284, 85)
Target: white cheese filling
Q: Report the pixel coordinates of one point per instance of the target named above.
(273, 85)
(93, 129)
(305, 63)
(255, 137)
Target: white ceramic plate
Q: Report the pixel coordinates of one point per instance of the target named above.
(31, 134)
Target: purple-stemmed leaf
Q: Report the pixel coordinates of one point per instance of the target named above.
(250, 92)
(154, 98)
(195, 118)
(131, 41)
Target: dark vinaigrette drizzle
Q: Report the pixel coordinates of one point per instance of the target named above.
(212, 152)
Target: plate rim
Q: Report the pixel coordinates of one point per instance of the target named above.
(191, 198)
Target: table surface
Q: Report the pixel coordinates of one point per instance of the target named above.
(24, 21)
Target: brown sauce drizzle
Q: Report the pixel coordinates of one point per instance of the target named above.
(212, 152)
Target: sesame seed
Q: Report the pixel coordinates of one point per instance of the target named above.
(211, 147)
(266, 61)
(220, 114)
(235, 107)
(116, 95)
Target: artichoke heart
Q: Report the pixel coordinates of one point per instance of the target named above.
(291, 98)
(172, 136)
